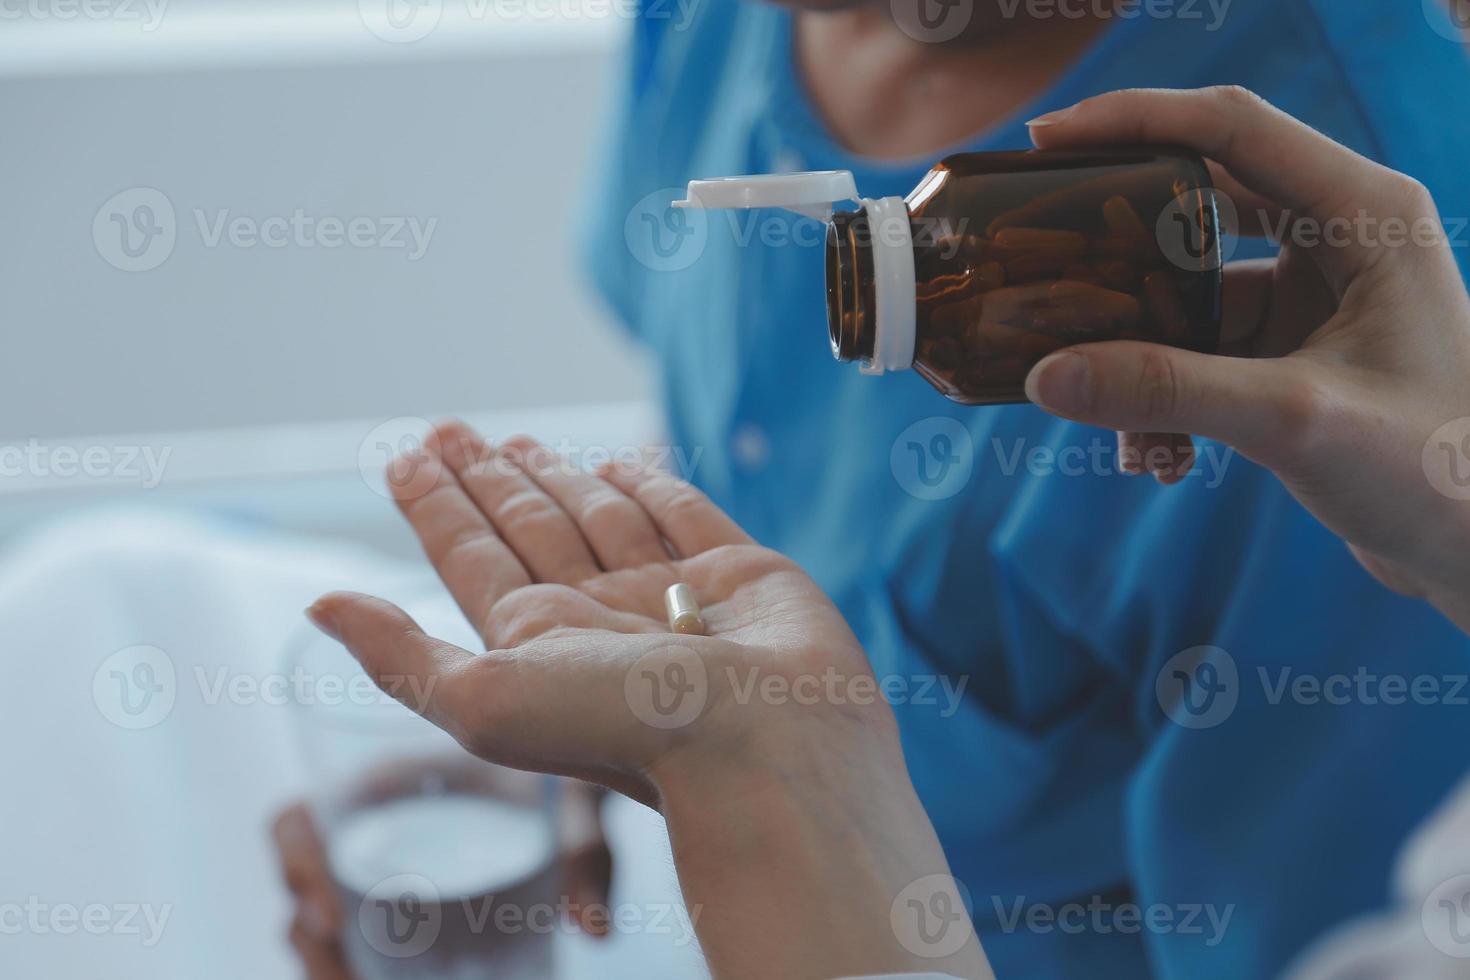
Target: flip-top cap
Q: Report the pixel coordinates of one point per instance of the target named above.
(812, 193)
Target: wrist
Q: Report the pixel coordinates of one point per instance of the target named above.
(809, 844)
(752, 749)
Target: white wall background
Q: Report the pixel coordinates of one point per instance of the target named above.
(488, 125)
(256, 367)
(266, 377)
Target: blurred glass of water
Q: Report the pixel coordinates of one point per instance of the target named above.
(446, 865)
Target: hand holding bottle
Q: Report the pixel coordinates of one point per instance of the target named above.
(1356, 392)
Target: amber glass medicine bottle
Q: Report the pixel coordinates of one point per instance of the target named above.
(997, 259)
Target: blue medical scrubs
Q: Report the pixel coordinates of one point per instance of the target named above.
(1136, 729)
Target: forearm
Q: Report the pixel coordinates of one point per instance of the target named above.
(814, 868)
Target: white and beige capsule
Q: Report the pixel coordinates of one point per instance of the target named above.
(685, 615)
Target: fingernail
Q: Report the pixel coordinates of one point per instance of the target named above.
(323, 620)
(451, 441)
(1061, 384)
(1051, 118)
(316, 918)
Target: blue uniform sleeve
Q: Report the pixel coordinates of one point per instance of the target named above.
(1296, 718)
(617, 176)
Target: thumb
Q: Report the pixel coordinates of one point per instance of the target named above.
(587, 863)
(433, 678)
(1253, 405)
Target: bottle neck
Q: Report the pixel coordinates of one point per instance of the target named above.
(851, 303)
(871, 297)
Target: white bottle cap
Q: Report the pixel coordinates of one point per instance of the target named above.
(812, 194)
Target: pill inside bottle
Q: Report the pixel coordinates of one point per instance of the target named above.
(995, 260)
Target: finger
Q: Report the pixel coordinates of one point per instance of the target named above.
(308, 877)
(587, 860)
(1269, 152)
(433, 678)
(1253, 405)
(1167, 456)
(1273, 306)
(538, 610)
(320, 959)
(686, 518)
(537, 529)
(474, 563)
(1258, 216)
(620, 532)
(1130, 460)
(508, 707)
(1249, 287)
